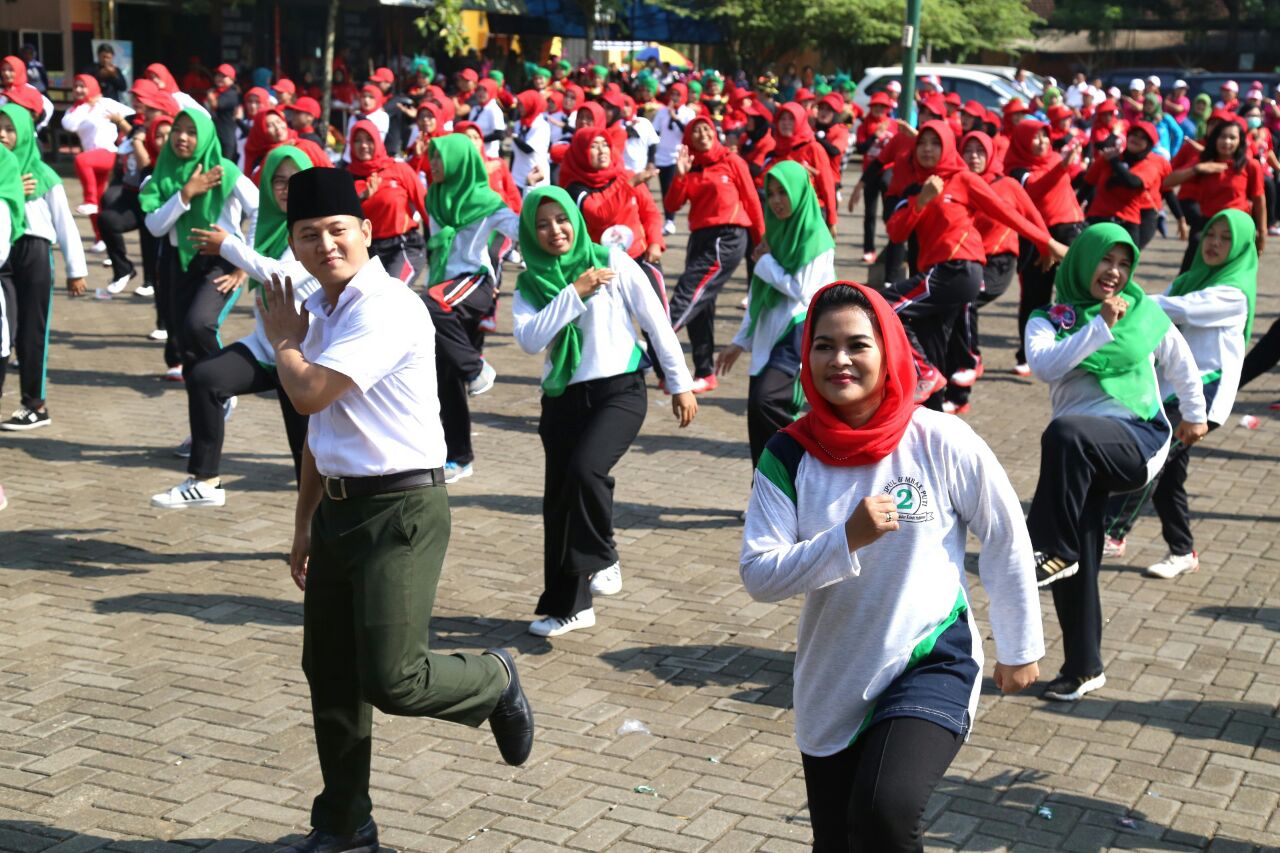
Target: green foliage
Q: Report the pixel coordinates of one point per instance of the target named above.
(441, 27)
(762, 30)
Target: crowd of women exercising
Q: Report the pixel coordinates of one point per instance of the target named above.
(857, 462)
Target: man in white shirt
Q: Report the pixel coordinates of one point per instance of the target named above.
(372, 520)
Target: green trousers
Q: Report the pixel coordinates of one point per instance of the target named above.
(371, 584)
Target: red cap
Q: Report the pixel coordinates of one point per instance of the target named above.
(974, 109)
(1015, 106)
(143, 88)
(1058, 112)
(954, 98)
(305, 105)
(992, 117)
(803, 95)
(226, 70)
(1107, 106)
(758, 108)
(470, 74)
(834, 100)
(934, 103)
(284, 84)
(882, 99)
(384, 75)
(1148, 128)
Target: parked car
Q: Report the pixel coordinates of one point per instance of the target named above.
(1210, 82)
(973, 83)
(1122, 77)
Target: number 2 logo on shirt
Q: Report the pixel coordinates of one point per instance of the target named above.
(910, 499)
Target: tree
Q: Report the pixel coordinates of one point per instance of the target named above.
(441, 26)
(330, 35)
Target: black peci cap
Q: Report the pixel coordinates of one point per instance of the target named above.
(314, 193)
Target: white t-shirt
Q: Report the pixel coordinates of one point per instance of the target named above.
(640, 135)
(90, 123)
(380, 335)
(490, 119)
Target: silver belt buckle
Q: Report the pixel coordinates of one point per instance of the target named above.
(341, 494)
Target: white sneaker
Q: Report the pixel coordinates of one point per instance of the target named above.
(106, 262)
(554, 626)
(669, 227)
(516, 258)
(1113, 548)
(120, 283)
(1173, 565)
(173, 374)
(189, 493)
(159, 335)
(483, 382)
(101, 293)
(228, 407)
(1022, 369)
(89, 210)
(99, 247)
(964, 378)
(607, 581)
(144, 290)
(453, 472)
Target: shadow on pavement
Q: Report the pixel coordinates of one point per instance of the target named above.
(83, 554)
(626, 515)
(703, 665)
(212, 608)
(1244, 723)
(30, 837)
(1268, 616)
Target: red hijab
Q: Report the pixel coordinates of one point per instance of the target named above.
(576, 167)
(987, 145)
(1101, 130)
(555, 100)
(444, 102)
(380, 159)
(821, 431)
(531, 104)
(19, 71)
(679, 95)
(597, 113)
(490, 87)
(378, 97)
(714, 154)
(799, 136)
(436, 110)
(1020, 155)
(579, 96)
(91, 89)
(149, 141)
(259, 144)
(170, 85)
(949, 163)
(263, 96)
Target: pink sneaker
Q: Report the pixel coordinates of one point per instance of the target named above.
(4, 501)
(1022, 369)
(1113, 548)
(868, 257)
(930, 382)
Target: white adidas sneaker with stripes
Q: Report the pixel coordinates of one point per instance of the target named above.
(190, 493)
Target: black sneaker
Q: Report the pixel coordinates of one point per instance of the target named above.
(1072, 688)
(25, 419)
(1050, 569)
(363, 840)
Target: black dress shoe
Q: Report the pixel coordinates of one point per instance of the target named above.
(363, 840)
(512, 718)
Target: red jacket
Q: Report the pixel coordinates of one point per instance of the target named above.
(1111, 200)
(998, 238)
(814, 158)
(1052, 194)
(1188, 155)
(946, 228)
(620, 203)
(835, 140)
(721, 193)
(390, 210)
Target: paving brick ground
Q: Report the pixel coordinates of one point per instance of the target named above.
(151, 697)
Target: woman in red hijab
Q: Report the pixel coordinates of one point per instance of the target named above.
(531, 141)
(1124, 181)
(1047, 177)
(90, 118)
(795, 140)
(940, 209)
(862, 508)
(500, 179)
(724, 218)
(1002, 247)
(270, 131)
(391, 195)
(160, 75)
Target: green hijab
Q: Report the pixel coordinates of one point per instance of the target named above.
(1123, 367)
(272, 236)
(27, 151)
(172, 173)
(1201, 116)
(1239, 270)
(11, 193)
(794, 241)
(1153, 107)
(460, 199)
(546, 275)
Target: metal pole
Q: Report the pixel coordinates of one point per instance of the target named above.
(910, 47)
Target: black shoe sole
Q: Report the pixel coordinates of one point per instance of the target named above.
(1062, 575)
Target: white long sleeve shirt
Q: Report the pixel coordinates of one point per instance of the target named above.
(90, 123)
(490, 119)
(798, 290)
(1212, 321)
(261, 268)
(866, 611)
(610, 346)
(49, 217)
(242, 203)
(635, 154)
(538, 137)
(670, 129)
(1075, 391)
(470, 253)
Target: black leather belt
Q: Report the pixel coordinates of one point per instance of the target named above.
(341, 488)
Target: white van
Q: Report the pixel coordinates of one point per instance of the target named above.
(973, 83)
